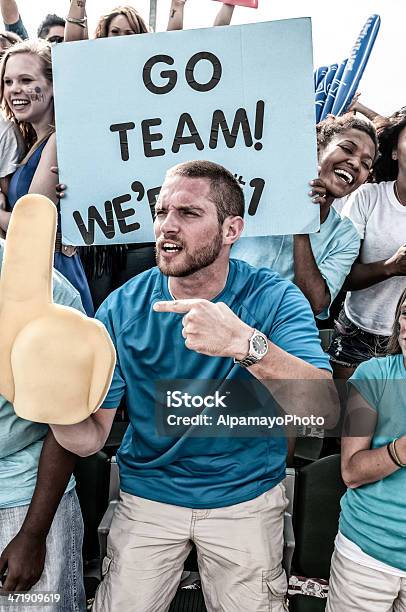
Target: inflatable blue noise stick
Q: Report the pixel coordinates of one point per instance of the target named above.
(319, 75)
(332, 92)
(355, 66)
(323, 89)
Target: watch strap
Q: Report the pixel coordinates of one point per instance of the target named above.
(248, 361)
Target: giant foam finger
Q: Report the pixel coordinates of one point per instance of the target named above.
(56, 364)
(53, 362)
(25, 282)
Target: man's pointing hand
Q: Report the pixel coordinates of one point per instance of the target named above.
(210, 328)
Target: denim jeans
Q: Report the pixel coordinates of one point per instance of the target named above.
(63, 571)
(351, 345)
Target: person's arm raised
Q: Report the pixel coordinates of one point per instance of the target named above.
(12, 19)
(9, 11)
(357, 107)
(175, 20)
(224, 15)
(76, 22)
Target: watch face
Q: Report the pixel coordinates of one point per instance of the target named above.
(259, 344)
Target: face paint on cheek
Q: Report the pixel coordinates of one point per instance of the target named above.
(36, 95)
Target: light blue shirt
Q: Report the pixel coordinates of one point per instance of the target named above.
(373, 516)
(335, 248)
(21, 440)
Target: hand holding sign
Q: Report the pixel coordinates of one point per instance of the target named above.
(318, 192)
(56, 364)
(183, 101)
(210, 328)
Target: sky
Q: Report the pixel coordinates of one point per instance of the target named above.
(335, 29)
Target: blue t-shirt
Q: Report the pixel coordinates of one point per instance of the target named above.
(335, 248)
(21, 440)
(206, 472)
(373, 516)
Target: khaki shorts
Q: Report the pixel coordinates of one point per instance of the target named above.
(356, 588)
(239, 551)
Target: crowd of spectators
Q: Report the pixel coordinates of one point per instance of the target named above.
(352, 274)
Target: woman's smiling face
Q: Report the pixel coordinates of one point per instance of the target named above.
(346, 161)
(27, 92)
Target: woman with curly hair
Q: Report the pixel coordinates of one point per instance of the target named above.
(319, 263)
(378, 275)
(368, 570)
(121, 21)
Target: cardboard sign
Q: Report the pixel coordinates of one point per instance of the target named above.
(129, 108)
(247, 3)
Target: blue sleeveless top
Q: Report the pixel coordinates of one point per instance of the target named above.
(70, 267)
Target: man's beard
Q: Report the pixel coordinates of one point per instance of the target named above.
(201, 258)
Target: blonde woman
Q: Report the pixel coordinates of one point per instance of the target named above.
(26, 94)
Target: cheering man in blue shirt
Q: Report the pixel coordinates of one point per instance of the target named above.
(201, 316)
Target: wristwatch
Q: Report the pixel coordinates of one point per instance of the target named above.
(258, 348)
